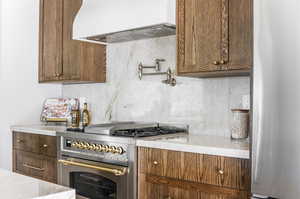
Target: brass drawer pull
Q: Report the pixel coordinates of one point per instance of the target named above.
(155, 162)
(45, 146)
(117, 171)
(34, 168)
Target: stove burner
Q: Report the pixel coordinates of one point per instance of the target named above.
(147, 132)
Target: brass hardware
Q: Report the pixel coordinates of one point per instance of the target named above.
(117, 171)
(97, 147)
(92, 147)
(74, 144)
(221, 172)
(112, 149)
(216, 62)
(34, 168)
(155, 162)
(120, 150)
(105, 148)
(19, 141)
(223, 62)
(45, 145)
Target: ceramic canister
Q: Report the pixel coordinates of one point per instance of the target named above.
(239, 123)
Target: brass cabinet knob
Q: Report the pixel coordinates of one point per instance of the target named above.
(45, 145)
(155, 162)
(220, 172)
(19, 141)
(223, 62)
(216, 62)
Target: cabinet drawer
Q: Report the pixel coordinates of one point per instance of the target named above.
(207, 169)
(36, 166)
(40, 144)
(153, 187)
(26, 142)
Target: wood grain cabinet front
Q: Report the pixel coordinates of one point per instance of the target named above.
(35, 155)
(37, 166)
(204, 176)
(214, 37)
(63, 59)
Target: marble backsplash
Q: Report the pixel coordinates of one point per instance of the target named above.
(205, 104)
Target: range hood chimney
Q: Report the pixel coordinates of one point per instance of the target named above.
(112, 21)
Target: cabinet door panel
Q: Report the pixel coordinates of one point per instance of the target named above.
(199, 34)
(50, 39)
(71, 48)
(240, 34)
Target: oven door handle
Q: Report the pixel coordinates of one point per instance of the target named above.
(121, 171)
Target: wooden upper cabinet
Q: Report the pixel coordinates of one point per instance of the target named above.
(51, 41)
(214, 37)
(63, 59)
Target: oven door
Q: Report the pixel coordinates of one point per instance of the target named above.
(93, 180)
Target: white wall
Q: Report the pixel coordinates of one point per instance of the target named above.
(21, 96)
(204, 103)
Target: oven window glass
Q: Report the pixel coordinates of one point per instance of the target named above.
(93, 186)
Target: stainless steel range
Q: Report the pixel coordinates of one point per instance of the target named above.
(101, 162)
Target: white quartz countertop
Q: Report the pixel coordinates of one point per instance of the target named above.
(39, 129)
(16, 186)
(210, 145)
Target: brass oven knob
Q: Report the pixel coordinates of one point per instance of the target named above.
(73, 144)
(112, 149)
(86, 146)
(97, 147)
(120, 150)
(106, 148)
(81, 145)
(92, 147)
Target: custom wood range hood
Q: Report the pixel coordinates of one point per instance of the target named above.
(112, 21)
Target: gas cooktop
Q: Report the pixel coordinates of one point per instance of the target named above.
(134, 129)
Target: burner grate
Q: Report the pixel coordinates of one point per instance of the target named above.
(147, 132)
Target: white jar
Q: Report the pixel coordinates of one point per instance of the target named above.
(239, 123)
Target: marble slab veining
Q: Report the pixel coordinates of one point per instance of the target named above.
(203, 103)
(38, 129)
(210, 145)
(16, 186)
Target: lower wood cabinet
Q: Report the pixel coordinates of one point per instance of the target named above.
(37, 166)
(167, 174)
(35, 156)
